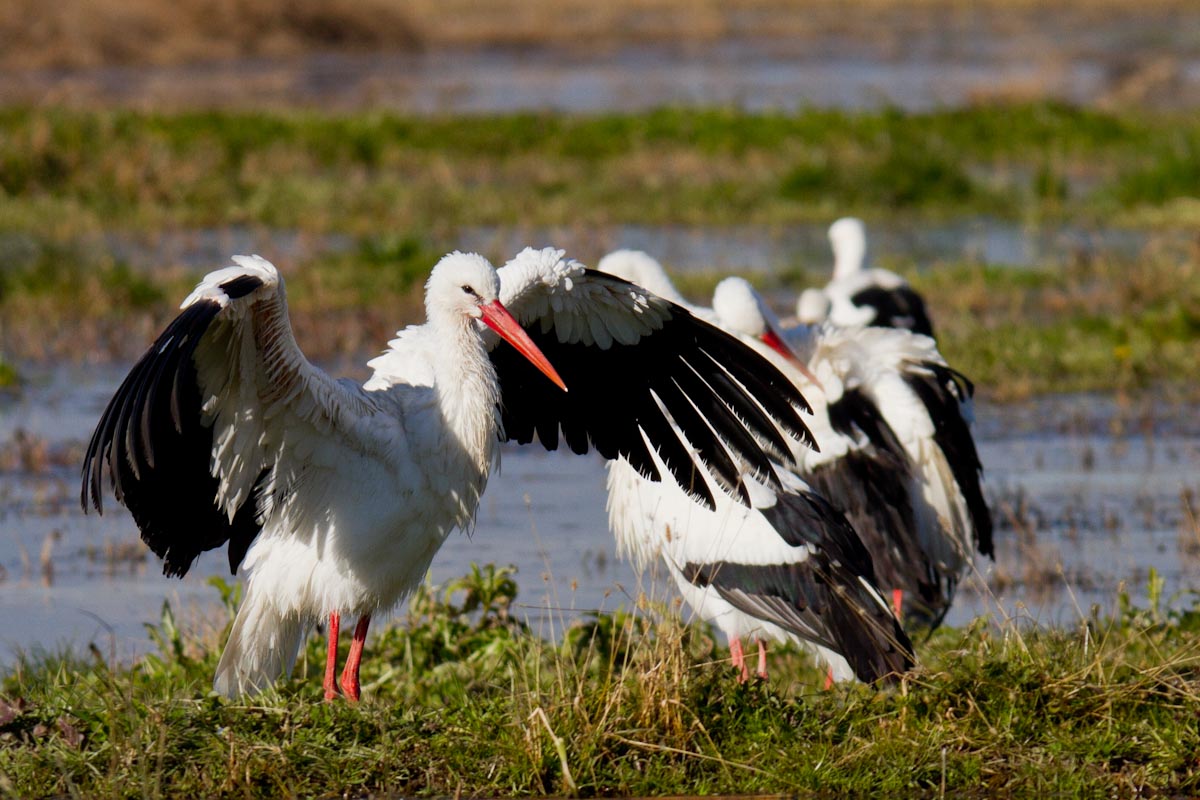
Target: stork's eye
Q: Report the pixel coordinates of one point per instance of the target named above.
(467, 289)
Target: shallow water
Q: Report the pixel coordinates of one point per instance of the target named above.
(764, 249)
(1096, 482)
(740, 248)
(918, 70)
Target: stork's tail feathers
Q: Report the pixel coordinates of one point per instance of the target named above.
(262, 648)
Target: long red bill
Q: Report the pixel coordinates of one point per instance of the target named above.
(774, 341)
(498, 319)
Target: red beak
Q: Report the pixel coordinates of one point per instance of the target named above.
(498, 319)
(774, 341)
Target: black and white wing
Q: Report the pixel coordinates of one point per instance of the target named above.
(190, 439)
(635, 366)
(870, 481)
(946, 395)
(929, 407)
(898, 307)
(878, 298)
(806, 571)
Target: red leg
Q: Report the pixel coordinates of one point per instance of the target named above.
(762, 659)
(739, 659)
(898, 602)
(354, 660)
(829, 679)
(331, 690)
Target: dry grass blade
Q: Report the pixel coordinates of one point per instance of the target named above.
(662, 748)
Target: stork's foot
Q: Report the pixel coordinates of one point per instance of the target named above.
(762, 660)
(349, 680)
(331, 689)
(739, 660)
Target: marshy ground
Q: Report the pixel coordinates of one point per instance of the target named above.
(463, 699)
(1033, 172)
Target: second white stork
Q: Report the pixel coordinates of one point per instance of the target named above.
(333, 497)
(858, 295)
(787, 567)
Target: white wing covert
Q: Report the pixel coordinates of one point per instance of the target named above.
(636, 366)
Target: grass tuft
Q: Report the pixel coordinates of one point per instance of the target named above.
(463, 698)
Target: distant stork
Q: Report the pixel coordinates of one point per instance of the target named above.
(858, 296)
(787, 567)
(897, 456)
(334, 497)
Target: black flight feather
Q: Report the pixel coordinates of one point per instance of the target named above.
(703, 377)
(157, 451)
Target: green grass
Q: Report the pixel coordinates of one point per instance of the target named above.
(463, 699)
(376, 172)
(401, 187)
(9, 377)
(1101, 325)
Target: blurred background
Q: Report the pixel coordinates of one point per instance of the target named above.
(507, 55)
(1033, 168)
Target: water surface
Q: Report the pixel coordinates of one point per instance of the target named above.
(1087, 492)
(925, 68)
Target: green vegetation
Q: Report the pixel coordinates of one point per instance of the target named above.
(1095, 325)
(386, 173)
(462, 699)
(8, 374)
(1099, 325)
(397, 190)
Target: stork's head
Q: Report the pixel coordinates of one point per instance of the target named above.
(465, 286)
(812, 307)
(848, 237)
(643, 269)
(742, 310)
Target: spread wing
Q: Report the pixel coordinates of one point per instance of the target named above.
(636, 366)
(191, 438)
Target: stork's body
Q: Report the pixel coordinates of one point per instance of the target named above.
(335, 497)
(787, 567)
(862, 296)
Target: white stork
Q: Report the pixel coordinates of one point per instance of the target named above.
(786, 567)
(858, 296)
(334, 497)
(897, 455)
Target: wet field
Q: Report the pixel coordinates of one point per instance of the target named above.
(1090, 494)
(853, 64)
(742, 248)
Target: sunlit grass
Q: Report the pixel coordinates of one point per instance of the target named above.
(463, 698)
(376, 172)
